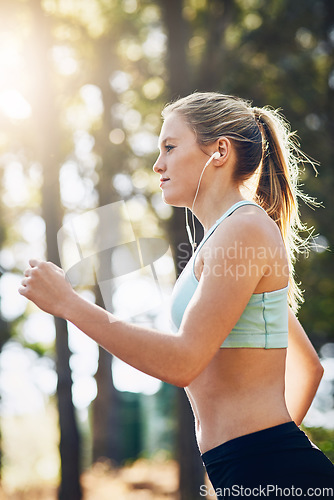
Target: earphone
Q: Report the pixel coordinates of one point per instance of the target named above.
(192, 241)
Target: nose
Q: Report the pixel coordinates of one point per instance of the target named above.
(159, 165)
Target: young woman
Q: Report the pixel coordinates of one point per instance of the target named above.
(236, 167)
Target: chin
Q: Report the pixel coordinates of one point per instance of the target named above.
(171, 200)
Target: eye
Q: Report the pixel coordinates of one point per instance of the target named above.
(168, 147)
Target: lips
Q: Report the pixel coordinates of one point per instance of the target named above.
(163, 181)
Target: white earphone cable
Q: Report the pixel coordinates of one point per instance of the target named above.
(193, 243)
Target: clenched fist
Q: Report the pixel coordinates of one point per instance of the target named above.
(45, 284)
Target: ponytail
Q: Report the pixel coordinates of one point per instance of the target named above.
(277, 189)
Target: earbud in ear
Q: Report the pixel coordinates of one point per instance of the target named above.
(216, 155)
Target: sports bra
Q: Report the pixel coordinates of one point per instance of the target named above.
(264, 321)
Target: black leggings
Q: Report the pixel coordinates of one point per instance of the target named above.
(271, 459)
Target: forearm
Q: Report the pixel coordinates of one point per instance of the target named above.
(303, 371)
(158, 354)
(300, 389)
(175, 359)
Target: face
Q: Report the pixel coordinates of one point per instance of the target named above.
(180, 162)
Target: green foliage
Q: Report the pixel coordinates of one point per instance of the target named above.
(38, 348)
(323, 438)
(236, 47)
(134, 55)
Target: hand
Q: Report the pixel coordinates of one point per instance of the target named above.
(45, 284)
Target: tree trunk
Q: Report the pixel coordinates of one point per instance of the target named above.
(192, 472)
(106, 422)
(48, 148)
(178, 36)
(328, 30)
(220, 15)
(106, 407)
(69, 488)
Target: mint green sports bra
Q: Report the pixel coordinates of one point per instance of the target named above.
(264, 321)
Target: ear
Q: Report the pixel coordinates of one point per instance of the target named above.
(224, 148)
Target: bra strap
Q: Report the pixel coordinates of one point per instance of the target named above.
(218, 221)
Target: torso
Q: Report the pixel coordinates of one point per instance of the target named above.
(242, 389)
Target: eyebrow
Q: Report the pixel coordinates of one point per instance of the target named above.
(167, 139)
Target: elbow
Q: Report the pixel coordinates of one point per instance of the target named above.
(178, 380)
(315, 373)
(181, 383)
(183, 378)
(319, 372)
(185, 373)
(186, 381)
(187, 364)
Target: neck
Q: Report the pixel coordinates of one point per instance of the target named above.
(212, 203)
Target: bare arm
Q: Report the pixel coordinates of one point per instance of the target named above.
(177, 359)
(158, 354)
(303, 371)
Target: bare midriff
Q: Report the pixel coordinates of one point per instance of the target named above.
(241, 391)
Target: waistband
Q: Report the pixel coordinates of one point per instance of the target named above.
(282, 437)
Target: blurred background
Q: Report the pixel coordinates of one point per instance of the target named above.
(82, 86)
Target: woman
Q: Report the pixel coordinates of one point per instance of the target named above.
(230, 305)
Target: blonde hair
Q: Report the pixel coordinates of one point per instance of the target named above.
(268, 154)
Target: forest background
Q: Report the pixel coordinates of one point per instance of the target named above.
(82, 86)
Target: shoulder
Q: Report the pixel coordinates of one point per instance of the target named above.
(246, 240)
(247, 226)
